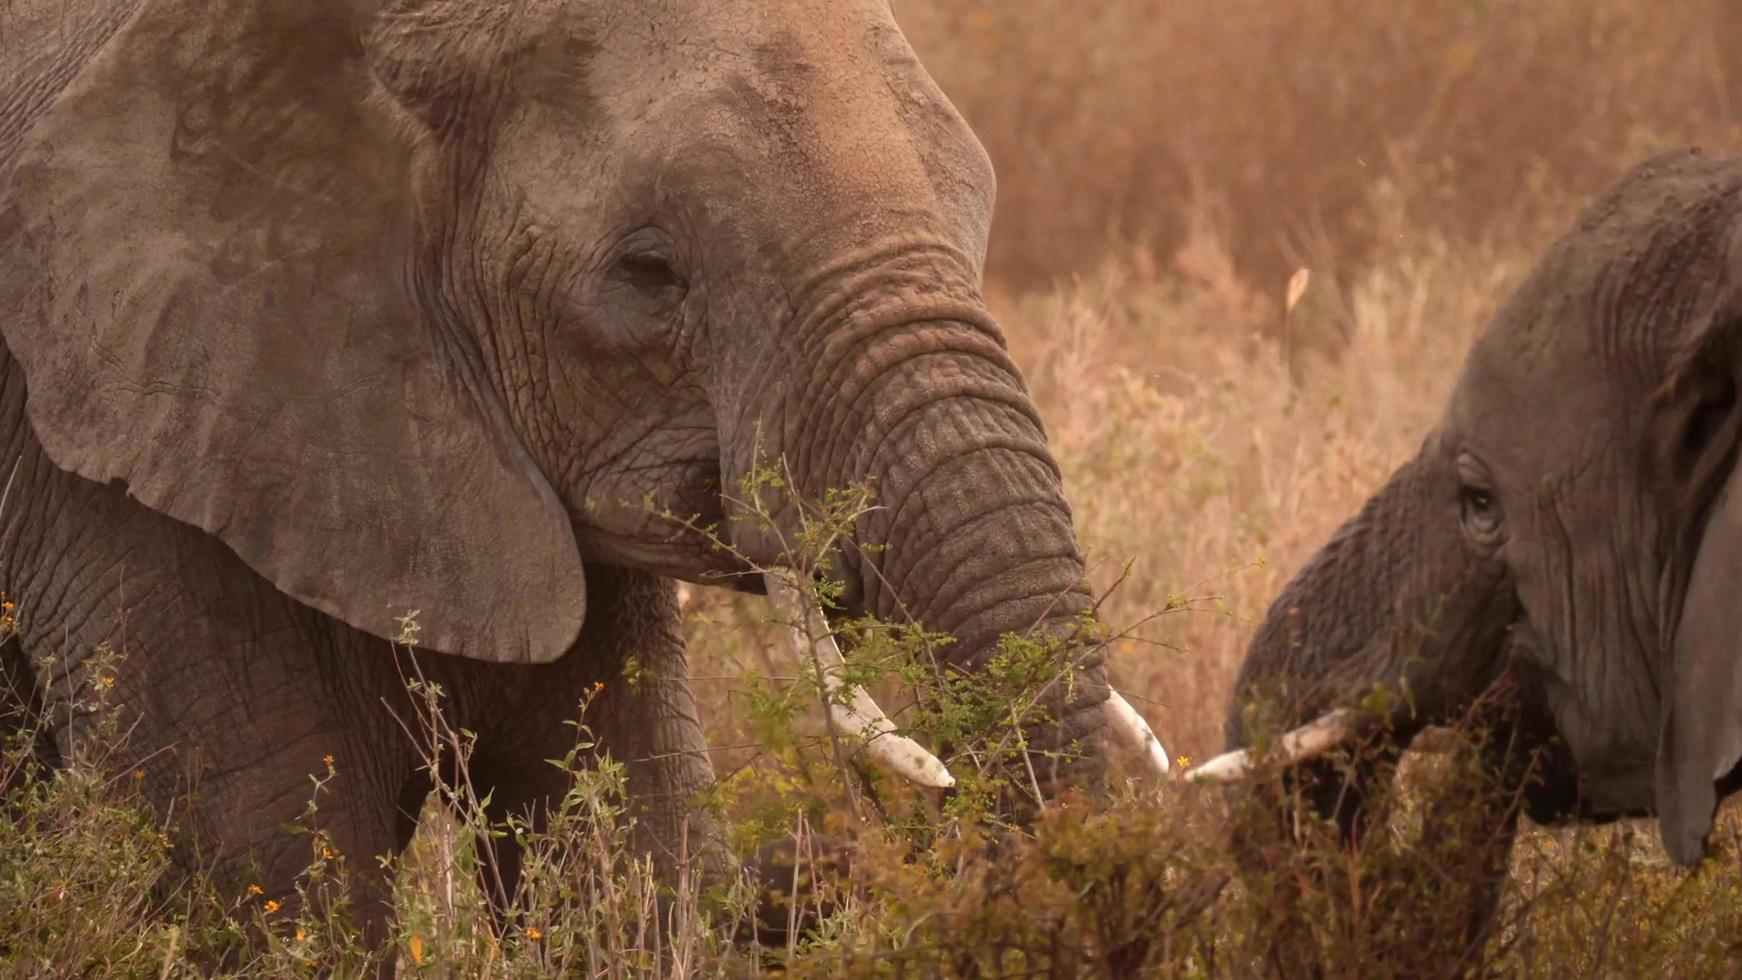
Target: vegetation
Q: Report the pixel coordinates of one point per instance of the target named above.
(1164, 171)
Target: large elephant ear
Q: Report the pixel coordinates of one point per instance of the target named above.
(209, 275)
(1696, 441)
(1701, 737)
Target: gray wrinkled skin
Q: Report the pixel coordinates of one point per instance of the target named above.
(1574, 514)
(328, 312)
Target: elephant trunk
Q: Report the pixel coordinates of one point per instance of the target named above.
(969, 533)
(972, 536)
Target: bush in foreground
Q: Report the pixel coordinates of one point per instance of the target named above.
(1142, 882)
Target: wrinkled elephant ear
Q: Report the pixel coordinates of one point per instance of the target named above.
(208, 269)
(1696, 438)
(1701, 739)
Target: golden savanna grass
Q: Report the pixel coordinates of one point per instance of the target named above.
(1164, 170)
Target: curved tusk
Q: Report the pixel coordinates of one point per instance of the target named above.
(1309, 741)
(1134, 731)
(854, 714)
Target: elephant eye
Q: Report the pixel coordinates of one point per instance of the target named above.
(1478, 507)
(649, 272)
(644, 276)
(1480, 513)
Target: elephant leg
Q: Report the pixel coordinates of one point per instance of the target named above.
(242, 796)
(646, 719)
(630, 671)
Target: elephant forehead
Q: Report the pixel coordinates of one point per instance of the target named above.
(783, 110)
(1601, 313)
(1573, 356)
(1536, 407)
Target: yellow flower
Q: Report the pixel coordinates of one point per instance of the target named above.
(301, 934)
(533, 933)
(256, 890)
(328, 759)
(1185, 762)
(271, 906)
(598, 686)
(416, 944)
(327, 853)
(138, 774)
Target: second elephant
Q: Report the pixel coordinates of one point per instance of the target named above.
(1576, 513)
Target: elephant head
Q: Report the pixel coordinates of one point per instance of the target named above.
(1575, 513)
(424, 305)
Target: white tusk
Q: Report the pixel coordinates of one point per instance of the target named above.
(1309, 741)
(1134, 731)
(855, 714)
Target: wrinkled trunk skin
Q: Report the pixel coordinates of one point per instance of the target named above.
(974, 538)
(971, 535)
(1395, 599)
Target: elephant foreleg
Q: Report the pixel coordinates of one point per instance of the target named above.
(630, 671)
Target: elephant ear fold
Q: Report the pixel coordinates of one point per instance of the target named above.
(1700, 741)
(1696, 437)
(209, 277)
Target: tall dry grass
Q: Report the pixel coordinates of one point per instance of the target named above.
(1280, 118)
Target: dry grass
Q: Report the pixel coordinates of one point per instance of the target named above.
(1280, 118)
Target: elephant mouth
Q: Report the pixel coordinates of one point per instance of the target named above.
(668, 518)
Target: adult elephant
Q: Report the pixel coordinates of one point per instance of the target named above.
(319, 314)
(1576, 513)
